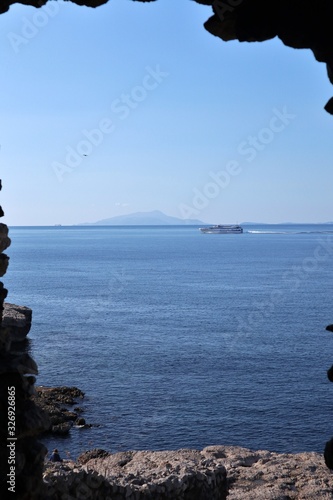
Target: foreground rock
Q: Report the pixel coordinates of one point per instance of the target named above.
(54, 401)
(191, 475)
(16, 321)
(140, 475)
(264, 475)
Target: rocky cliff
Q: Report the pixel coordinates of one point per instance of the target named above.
(16, 320)
(21, 455)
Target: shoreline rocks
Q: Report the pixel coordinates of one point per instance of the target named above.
(16, 321)
(214, 473)
(54, 401)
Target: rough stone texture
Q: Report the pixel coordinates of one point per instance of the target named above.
(264, 475)
(192, 475)
(17, 321)
(4, 261)
(27, 421)
(90, 454)
(4, 239)
(54, 401)
(68, 480)
(140, 475)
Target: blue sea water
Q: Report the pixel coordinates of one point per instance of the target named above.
(182, 339)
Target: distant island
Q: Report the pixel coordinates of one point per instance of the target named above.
(154, 218)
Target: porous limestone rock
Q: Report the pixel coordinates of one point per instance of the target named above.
(265, 475)
(141, 475)
(212, 473)
(178, 474)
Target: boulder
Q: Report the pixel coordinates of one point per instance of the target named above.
(16, 321)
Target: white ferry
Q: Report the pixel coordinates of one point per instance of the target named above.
(222, 229)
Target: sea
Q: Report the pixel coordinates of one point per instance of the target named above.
(181, 339)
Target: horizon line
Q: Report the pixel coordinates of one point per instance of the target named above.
(93, 224)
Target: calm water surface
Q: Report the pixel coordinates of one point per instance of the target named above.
(180, 339)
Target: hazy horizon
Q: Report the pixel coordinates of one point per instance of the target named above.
(95, 223)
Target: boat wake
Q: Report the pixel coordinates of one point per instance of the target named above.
(288, 232)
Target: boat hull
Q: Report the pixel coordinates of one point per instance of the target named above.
(219, 229)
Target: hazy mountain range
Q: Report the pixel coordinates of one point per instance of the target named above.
(158, 218)
(154, 218)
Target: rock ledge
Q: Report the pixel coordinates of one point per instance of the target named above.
(16, 321)
(215, 473)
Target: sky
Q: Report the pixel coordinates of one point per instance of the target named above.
(136, 107)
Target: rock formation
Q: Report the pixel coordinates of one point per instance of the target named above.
(21, 456)
(16, 320)
(54, 401)
(255, 475)
(209, 474)
(301, 24)
(141, 475)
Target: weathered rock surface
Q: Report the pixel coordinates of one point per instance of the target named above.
(193, 475)
(16, 320)
(4, 261)
(264, 475)
(54, 402)
(20, 420)
(4, 240)
(95, 453)
(136, 475)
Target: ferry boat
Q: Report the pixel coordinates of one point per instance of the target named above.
(222, 229)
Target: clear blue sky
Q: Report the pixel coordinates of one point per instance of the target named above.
(188, 124)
